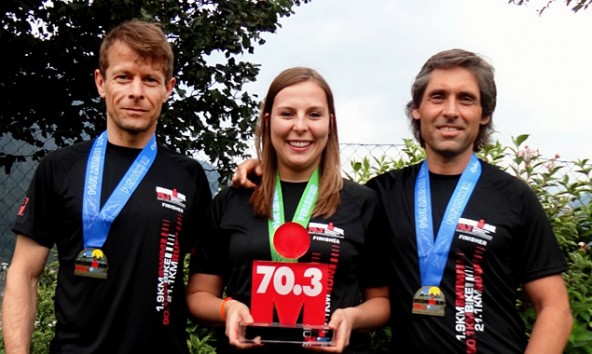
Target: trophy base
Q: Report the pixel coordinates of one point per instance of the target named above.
(305, 335)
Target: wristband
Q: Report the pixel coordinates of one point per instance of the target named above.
(222, 312)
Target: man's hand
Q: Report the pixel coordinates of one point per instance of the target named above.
(248, 168)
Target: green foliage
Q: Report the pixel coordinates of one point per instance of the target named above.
(380, 341)
(200, 339)
(45, 317)
(49, 53)
(565, 191)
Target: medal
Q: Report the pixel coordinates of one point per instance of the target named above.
(289, 241)
(429, 300)
(92, 263)
(432, 252)
(96, 221)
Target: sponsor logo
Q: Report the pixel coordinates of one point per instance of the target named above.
(325, 232)
(478, 232)
(171, 199)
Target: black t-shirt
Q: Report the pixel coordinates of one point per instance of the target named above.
(502, 240)
(351, 242)
(140, 307)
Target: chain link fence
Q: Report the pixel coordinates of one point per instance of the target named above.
(16, 176)
(15, 179)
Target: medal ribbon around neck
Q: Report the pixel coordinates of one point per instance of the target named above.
(97, 221)
(434, 253)
(301, 216)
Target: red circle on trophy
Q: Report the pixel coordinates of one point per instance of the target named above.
(291, 240)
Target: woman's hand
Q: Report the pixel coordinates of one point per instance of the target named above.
(238, 313)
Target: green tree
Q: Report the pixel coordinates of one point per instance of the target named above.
(576, 5)
(49, 53)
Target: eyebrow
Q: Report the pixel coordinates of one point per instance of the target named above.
(315, 107)
(446, 92)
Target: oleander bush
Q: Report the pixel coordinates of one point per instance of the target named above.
(564, 189)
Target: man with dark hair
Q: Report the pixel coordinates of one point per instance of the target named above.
(122, 211)
(467, 235)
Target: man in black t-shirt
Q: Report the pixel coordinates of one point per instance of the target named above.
(467, 234)
(122, 212)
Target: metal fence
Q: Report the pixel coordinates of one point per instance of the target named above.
(14, 185)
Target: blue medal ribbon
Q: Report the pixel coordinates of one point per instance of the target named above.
(432, 254)
(97, 221)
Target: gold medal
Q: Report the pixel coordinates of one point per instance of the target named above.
(92, 263)
(429, 300)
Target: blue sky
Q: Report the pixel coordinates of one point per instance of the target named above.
(370, 50)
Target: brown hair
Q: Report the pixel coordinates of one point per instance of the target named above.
(330, 180)
(145, 38)
(449, 59)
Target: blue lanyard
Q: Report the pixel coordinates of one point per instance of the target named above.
(432, 254)
(96, 221)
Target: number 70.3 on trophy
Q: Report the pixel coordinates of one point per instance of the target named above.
(289, 288)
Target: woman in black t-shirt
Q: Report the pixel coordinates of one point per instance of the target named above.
(335, 235)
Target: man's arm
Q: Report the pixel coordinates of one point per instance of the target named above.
(553, 316)
(20, 295)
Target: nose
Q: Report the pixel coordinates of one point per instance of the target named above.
(300, 123)
(451, 108)
(136, 89)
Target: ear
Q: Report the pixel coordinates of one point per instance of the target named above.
(169, 89)
(100, 82)
(485, 120)
(415, 114)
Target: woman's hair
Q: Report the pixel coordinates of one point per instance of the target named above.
(450, 59)
(145, 38)
(330, 180)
